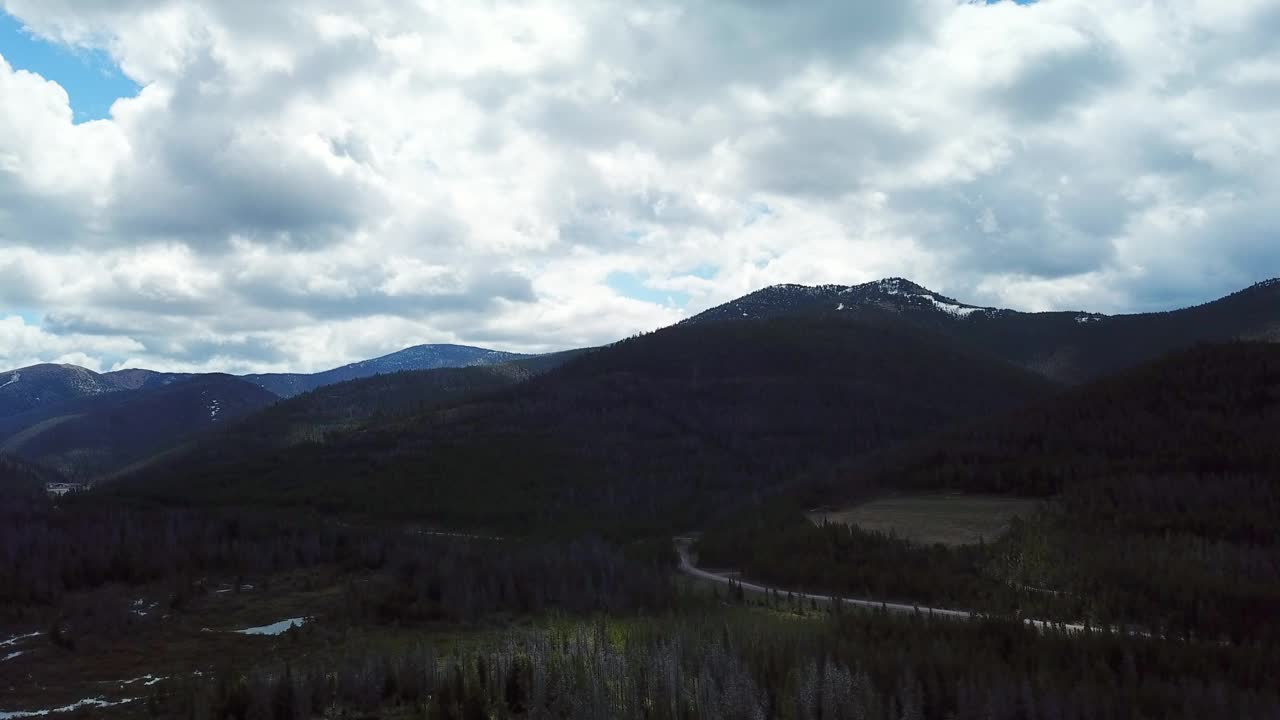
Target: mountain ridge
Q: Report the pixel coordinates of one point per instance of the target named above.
(1070, 346)
(416, 357)
(26, 388)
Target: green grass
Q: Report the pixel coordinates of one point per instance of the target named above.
(947, 519)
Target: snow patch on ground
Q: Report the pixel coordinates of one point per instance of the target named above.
(141, 608)
(147, 680)
(16, 377)
(12, 655)
(214, 409)
(87, 702)
(246, 587)
(274, 628)
(14, 640)
(1086, 319)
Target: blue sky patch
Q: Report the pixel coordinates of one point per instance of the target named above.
(29, 316)
(705, 272)
(92, 80)
(756, 212)
(633, 285)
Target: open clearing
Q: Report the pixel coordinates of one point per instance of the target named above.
(947, 519)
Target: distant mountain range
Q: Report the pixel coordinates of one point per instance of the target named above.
(27, 388)
(727, 383)
(90, 425)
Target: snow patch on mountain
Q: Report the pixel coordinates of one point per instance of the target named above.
(16, 377)
(894, 294)
(953, 309)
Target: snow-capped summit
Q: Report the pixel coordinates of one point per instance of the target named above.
(894, 294)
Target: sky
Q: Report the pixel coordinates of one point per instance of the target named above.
(227, 185)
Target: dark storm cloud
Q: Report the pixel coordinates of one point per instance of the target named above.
(1058, 81)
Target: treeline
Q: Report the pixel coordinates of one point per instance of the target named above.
(21, 479)
(52, 555)
(747, 665)
(1050, 566)
(776, 544)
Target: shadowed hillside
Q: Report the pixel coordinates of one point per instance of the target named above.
(653, 432)
(1161, 489)
(91, 436)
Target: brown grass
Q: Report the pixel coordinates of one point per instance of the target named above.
(947, 519)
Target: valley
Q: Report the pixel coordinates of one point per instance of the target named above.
(850, 470)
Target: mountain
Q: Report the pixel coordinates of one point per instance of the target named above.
(420, 357)
(894, 294)
(656, 431)
(30, 387)
(1066, 346)
(315, 416)
(138, 379)
(47, 410)
(96, 434)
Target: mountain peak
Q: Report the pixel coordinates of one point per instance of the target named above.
(895, 294)
(898, 285)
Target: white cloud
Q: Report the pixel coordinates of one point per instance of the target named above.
(303, 184)
(22, 344)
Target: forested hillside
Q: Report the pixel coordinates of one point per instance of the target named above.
(93, 436)
(655, 432)
(22, 478)
(1210, 412)
(1161, 503)
(329, 411)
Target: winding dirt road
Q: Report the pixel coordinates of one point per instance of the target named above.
(689, 568)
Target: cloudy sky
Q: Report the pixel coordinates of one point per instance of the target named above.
(242, 185)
